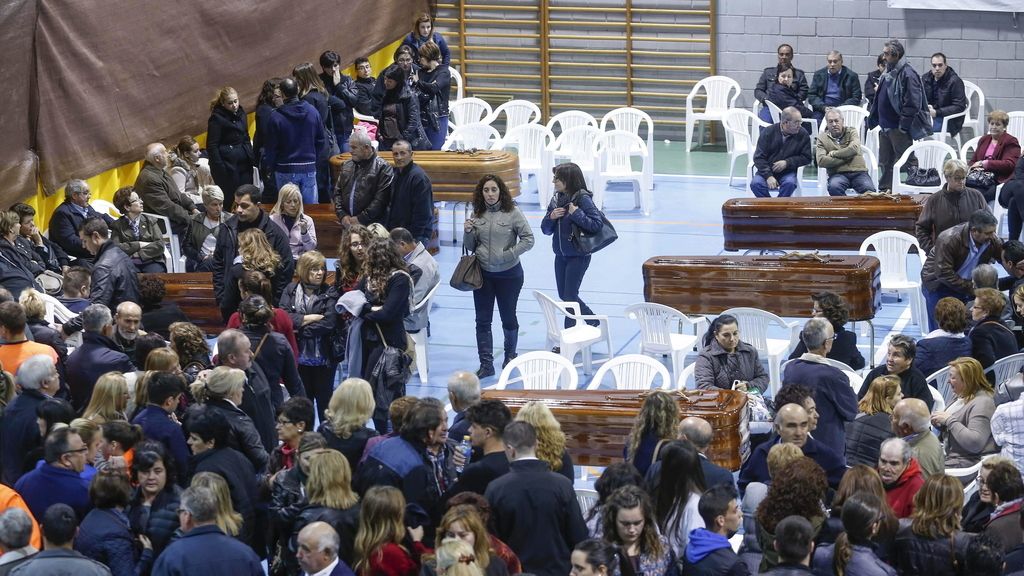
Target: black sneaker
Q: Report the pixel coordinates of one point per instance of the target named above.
(556, 350)
(485, 371)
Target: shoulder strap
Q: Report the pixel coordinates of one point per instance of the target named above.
(1000, 324)
(260, 345)
(657, 449)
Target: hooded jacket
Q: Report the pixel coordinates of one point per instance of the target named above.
(947, 96)
(900, 495)
(295, 138)
(710, 554)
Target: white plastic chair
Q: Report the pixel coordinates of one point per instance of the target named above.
(517, 113)
(576, 145)
(1006, 368)
(754, 325)
(614, 152)
(56, 312)
(737, 136)
(468, 111)
(105, 207)
(686, 380)
(533, 144)
(569, 119)
(661, 332)
(871, 140)
(891, 247)
(172, 246)
(721, 93)
(631, 119)
(632, 372)
(776, 114)
(938, 402)
(939, 381)
(930, 154)
(540, 370)
(419, 339)
(475, 135)
(587, 499)
(578, 338)
(1016, 125)
(967, 150)
(973, 115)
(457, 83)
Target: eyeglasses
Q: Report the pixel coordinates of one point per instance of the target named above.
(79, 451)
(357, 244)
(284, 422)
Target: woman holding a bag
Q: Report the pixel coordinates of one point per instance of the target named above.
(571, 209)
(387, 285)
(994, 158)
(499, 235)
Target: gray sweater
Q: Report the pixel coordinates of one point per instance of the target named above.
(499, 238)
(968, 432)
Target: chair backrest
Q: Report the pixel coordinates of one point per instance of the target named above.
(754, 325)
(427, 299)
(530, 141)
(1016, 126)
(541, 370)
(870, 161)
(721, 92)
(105, 207)
(657, 323)
(577, 143)
(615, 148)
(967, 150)
(469, 111)
(587, 499)
(1006, 368)
(686, 377)
(774, 110)
(930, 154)
(56, 312)
(570, 119)
(891, 247)
(975, 112)
(457, 83)
(938, 402)
(854, 116)
(517, 113)
(474, 135)
(737, 128)
(627, 118)
(939, 380)
(633, 372)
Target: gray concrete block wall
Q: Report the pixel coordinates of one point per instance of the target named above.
(983, 47)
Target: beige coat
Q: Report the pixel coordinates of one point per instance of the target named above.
(968, 432)
(842, 156)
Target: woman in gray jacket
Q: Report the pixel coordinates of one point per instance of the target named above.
(726, 362)
(498, 234)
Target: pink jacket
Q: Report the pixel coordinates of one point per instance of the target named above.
(298, 241)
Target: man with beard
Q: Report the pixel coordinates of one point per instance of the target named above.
(900, 474)
(126, 324)
(709, 552)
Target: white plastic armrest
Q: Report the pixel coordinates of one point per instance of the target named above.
(601, 318)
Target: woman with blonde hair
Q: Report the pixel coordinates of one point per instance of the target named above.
(42, 331)
(109, 400)
(965, 425)
(92, 435)
(455, 557)
(310, 301)
(257, 253)
(464, 523)
(228, 145)
(222, 392)
(865, 433)
(379, 548)
(330, 499)
(656, 424)
(297, 226)
(345, 427)
(228, 520)
(932, 543)
(550, 438)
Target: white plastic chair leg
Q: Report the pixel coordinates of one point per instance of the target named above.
(420, 341)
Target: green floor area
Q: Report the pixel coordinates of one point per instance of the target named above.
(708, 160)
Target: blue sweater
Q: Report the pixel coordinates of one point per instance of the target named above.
(157, 425)
(51, 485)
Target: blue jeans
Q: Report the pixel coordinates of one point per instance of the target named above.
(569, 272)
(932, 298)
(787, 185)
(841, 182)
(306, 181)
(437, 137)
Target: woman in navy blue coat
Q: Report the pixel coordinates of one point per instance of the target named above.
(571, 205)
(105, 534)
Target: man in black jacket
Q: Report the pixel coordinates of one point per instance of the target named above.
(69, 217)
(946, 95)
(344, 89)
(412, 196)
(249, 214)
(782, 149)
(534, 510)
(769, 75)
(364, 186)
(709, 552)
(38, 380)
(487, 420)
(234, 351)
(833, 85)
(794, 541)
(31, 241)
(365, 82)
(97, 355)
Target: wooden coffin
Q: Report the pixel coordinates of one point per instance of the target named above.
(454, 175)
(817, 222)
(328, 229)
(779, 284)
(597, 422)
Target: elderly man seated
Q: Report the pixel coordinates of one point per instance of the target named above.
(837, 150)
(901, 475)
(791, 423)
(910, 421)
(833, 85)
(781, 150)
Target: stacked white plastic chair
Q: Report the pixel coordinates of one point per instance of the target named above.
(539, 370)
(631, 120)
(517, 113)
(614, 151)
(533, 143)
(468, 111)
(720, 93)
(474, 135)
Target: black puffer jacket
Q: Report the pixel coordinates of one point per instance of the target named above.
(277, 360)
(364, 190)
(344, 522)
(158, 521)
(244, 436)
(947, 96)
(926, 556)
(352, 447)
(864, 436)
(403, 107)
(315, 334)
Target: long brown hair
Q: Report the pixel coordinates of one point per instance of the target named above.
(797, 489)
(659, 416)
(937, 507)
(504, 196)
(469, 517)
(382, 259)
(626, 498)
(860, 513)
(864, 479)
(348, 268)
(307, 79)
(380, 523)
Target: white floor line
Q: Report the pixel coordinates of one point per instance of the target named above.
(897, 328)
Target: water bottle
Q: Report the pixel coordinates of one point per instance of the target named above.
(466, 449)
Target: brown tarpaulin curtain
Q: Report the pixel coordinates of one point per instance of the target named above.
(89, 83)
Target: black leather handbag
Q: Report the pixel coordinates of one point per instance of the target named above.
(588, 243)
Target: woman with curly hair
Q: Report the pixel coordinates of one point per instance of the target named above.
(615, 476)
(257, 253)
(380, 539)
(351, 405)
(628, 520)
(797, 489)
(656, 424)
(550, 438)
(833, 308)
(853, 553)
(109, 399)
(947, 342)
(388, 287)
(873, 424)
(193, 352)
(228, 144)
(351, 254)
(932, 543)
(676, 492)
(966, 424)
(499, 235)
(861, 479)
(254, 283)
